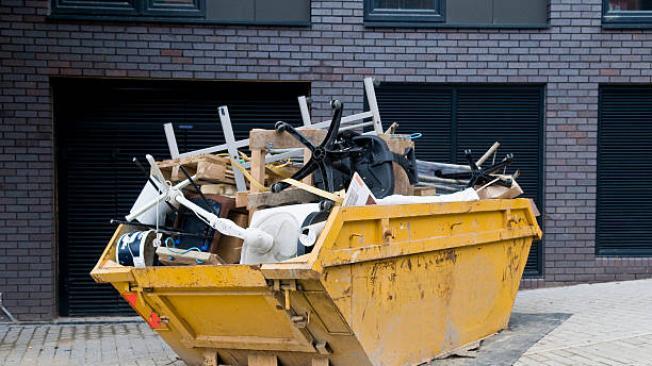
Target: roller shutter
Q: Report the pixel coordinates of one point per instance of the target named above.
(624, 199)
(101, 124)
(453, 118)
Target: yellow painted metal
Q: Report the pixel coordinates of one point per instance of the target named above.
(384, 285)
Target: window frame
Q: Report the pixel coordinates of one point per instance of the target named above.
(625, 19)
(74, 7)
(156, 8)
(65, 10)
(397, 17)
(140, 10)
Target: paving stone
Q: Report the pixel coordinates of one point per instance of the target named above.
(601, 324)
(611, 324)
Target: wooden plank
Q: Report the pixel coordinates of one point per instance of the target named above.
(264, 139)
(241, 199)
(401, 181)
(257, 168)
(286, 196)
(306, 157)
(488, 153)
(229, 248)
(221, 189)
(212, 358)
(423, 191)
(262, 360)
(192, 160)
(397, 143)
(216, 173)
(320, 361)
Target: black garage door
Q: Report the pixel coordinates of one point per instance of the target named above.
(453, 118)
(102, 124)
(624, 196)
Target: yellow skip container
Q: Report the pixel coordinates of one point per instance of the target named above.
(384, 285)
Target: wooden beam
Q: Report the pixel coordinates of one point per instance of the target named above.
(286, 196)
(178, 256)
(262, 360)
(306, 157)
(264, 139)
(320, 361)
(257, 168)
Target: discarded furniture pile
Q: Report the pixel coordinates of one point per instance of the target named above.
(216, 230)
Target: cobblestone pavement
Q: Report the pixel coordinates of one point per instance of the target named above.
(604, 324)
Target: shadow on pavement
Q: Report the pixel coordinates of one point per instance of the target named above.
(507, 347)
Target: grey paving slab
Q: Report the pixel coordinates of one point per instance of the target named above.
(78, 344)
(611, 324)
(602, 324)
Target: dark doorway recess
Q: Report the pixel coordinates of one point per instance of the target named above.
(101, 124)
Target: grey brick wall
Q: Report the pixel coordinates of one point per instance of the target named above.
(572, 58)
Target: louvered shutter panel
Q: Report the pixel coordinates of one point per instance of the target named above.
(456, 117)
(419, 108)
(624, 196)
(101, 125)
(513, 116)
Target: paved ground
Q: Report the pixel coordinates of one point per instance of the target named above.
(603, 324)
(611, 324)
(129, 343)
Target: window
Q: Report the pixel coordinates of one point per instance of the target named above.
(142, 8)
(404, 11)
(627, 12)
(457, 13)
(277, 12)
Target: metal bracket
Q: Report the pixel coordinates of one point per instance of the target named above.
(301, 321)
(283, 288)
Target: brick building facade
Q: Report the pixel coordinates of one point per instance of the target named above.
(571, 57)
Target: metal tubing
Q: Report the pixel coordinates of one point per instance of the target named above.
(227, 129)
